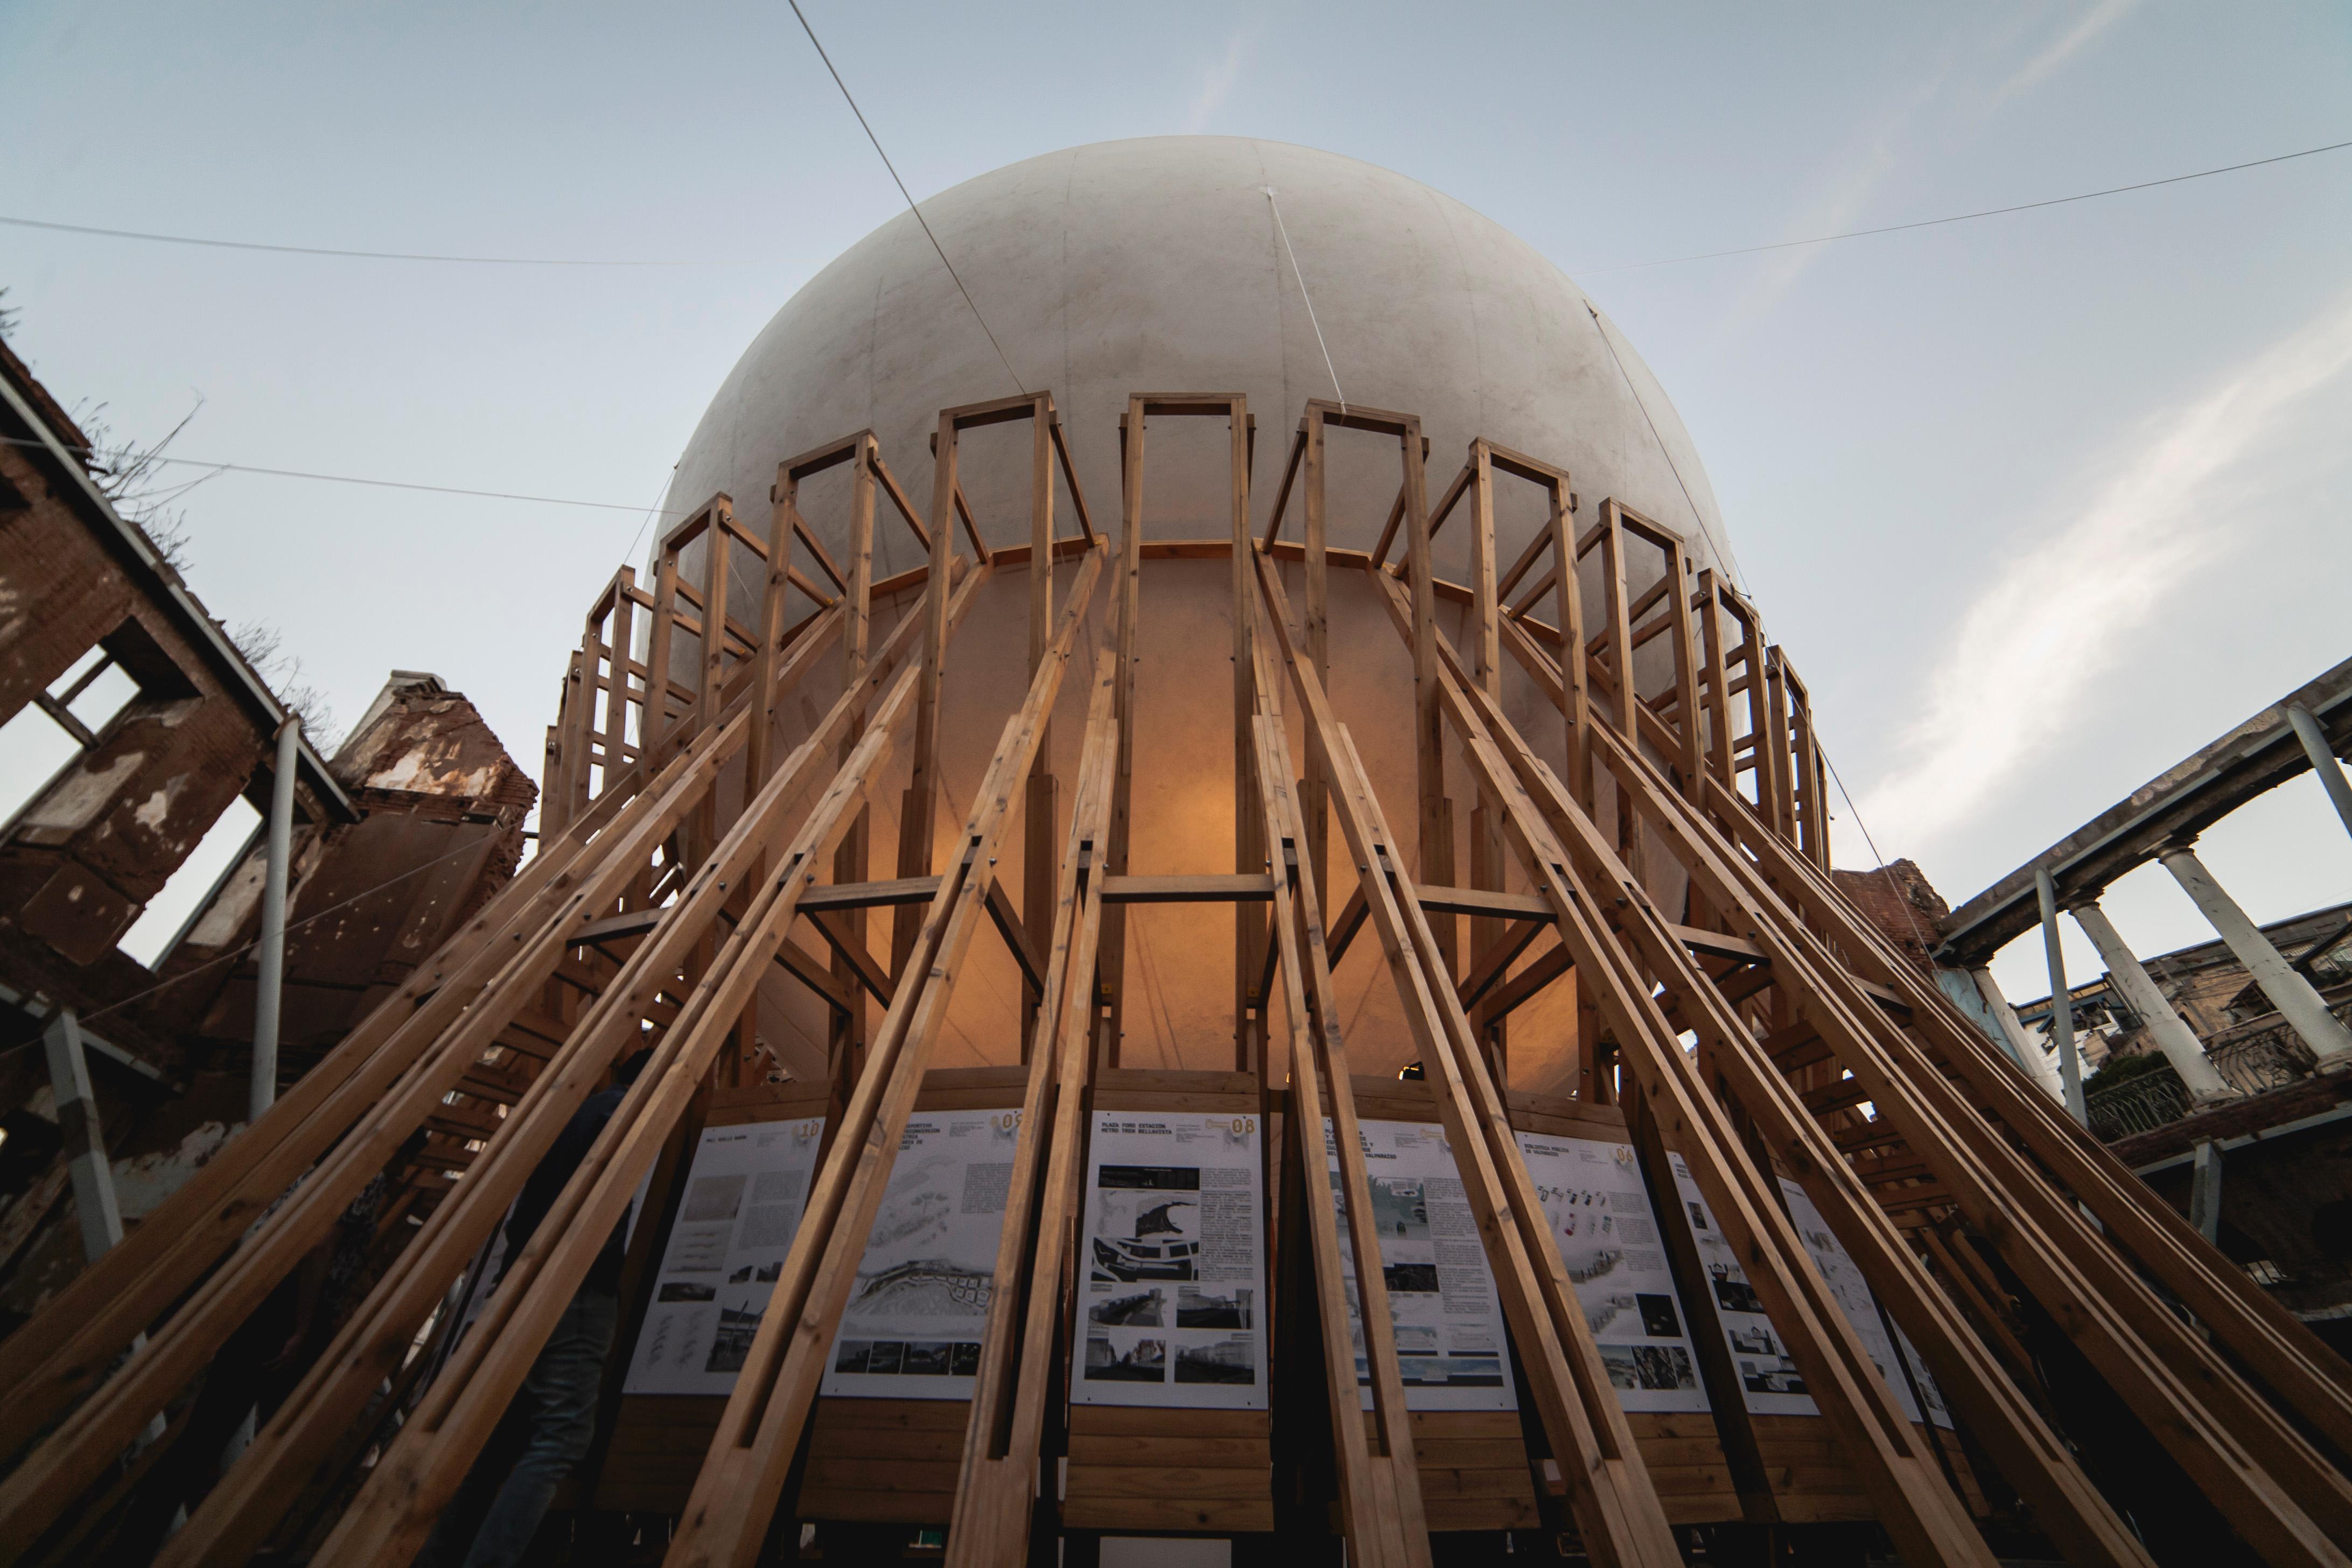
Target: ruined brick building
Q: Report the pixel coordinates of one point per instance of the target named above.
(155, 727)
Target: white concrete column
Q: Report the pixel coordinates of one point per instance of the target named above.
(2205, 1191)
(2021, 1045)
(85, 1142)
(2181, 1048)
(2290, 992)
(270, 986)
(2062, 1001)
(2323, 762)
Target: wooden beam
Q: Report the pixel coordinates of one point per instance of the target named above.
(1609, 1488)
(997, 1491)
(1257, 888)
(726, 1518)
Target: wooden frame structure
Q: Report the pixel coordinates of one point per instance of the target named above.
(1760, 1027)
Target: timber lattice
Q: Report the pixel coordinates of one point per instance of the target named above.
(1761, 1028)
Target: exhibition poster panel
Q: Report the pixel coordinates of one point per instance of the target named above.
(1172, 1257)
(911, 1329)
(1601, 1220)
(1449, 1326)
(1769, 1380)
(1860, 1307)
(744, 1195)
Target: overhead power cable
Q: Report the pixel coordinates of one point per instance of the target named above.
(355, 480)
(1961, 217)
(359, 255)
(911, 207)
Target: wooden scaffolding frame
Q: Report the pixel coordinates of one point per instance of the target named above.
(1762, 1026)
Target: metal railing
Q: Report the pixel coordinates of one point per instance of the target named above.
(2252, 1057)
(2141, 1104)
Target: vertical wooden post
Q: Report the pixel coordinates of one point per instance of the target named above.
(1487, 855)
(1042, 793)
(1718, 684)
(1436, 813)
(1781, 810)
(1250, 849)
(1568, 601)
(1316, 575)
(1690, 721)
(621, 647)
(921, 801)
(1112, 954)
(846, 1035)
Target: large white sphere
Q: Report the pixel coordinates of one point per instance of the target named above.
(1155, 265)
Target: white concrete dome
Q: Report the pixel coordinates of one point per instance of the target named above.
(1155, 265)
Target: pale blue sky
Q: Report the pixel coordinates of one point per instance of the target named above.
(2038, 503)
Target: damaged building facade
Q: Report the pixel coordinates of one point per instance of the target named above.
(2220, 1073)
(134, 727)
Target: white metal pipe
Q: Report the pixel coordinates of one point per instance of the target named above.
(269, 991)
(2322, 762)
(2289, 992)
(2062, 1005)
(2173, 1037)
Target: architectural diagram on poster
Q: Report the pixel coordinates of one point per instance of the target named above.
(1769, 1378)
(1448, 1323)
(1172, 1259)
(744, 1195)
(1600, 1219)
(913, 1327)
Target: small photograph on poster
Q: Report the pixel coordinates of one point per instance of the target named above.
(710, 1198)
(1200, 1306)
(1652, 1369)
(930, 1268)
(1116, 1357)
(1149, 1224)
(1173, 1237)
(1217, 1358)
(1132, 1309)
(738, 1320)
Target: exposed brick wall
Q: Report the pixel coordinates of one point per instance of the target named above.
(1901, 902)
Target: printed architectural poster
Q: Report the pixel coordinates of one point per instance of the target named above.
(1172, 1258)
(1601, 1220)
(1449, 1325)
(1770, 1381)
(1860, 1308)
(911, 1329)
(1773, 1386)
(744, 1195)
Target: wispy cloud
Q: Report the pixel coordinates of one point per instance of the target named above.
(2035, 641)
(1217, 85)
(1843, 195)
(2097, 20)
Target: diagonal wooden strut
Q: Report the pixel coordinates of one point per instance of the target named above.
(737, 1493)
(1608, 1486)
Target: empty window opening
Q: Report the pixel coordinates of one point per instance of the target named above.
(184, 896)
(50, 732)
